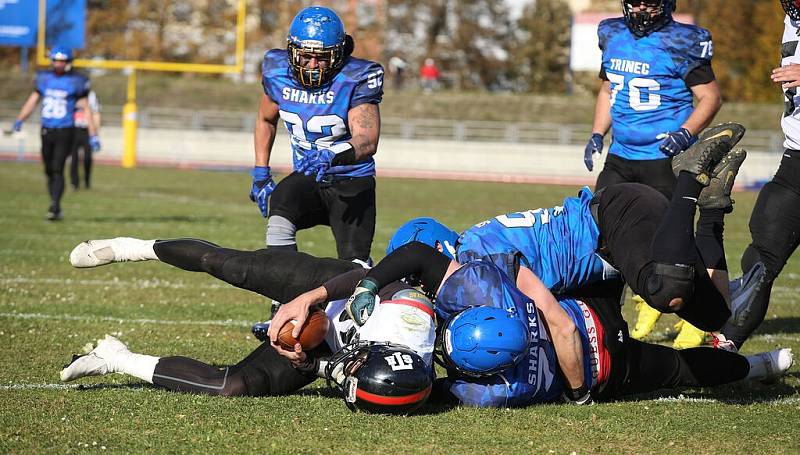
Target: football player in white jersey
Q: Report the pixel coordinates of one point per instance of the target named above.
(775, 222)
(278, 274)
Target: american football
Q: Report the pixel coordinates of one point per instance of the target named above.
(311, 335)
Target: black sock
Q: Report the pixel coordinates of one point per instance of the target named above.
(674, 239)
(709, 238)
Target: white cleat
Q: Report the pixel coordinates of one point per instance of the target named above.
(94, 253)
(773, 364)
(96, 362)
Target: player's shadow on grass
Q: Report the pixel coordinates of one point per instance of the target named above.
(429, 408)
(741, 393)
(156, 219)
(779, 325)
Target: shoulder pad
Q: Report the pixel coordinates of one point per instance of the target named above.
(274, 59)
(608, 28)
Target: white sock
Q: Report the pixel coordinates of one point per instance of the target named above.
(131, 249)
(758, 366)
(137, 365)
(769, 365)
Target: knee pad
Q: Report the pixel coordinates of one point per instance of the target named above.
(281, 231)
(668, 282)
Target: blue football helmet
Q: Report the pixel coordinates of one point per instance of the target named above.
(482, 341)
(61, 53)
(318, 32)
(425, 230)
(643, 23)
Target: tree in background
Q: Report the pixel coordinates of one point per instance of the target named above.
(747, 36)
(541, 55)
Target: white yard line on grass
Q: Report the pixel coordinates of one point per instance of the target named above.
(152, 283)
(70, 317)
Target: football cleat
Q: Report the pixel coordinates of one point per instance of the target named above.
(718, 341)
(260, 330)
(689, 336)
(769, 366)
(701, 158)
(54, 213)
(717, 195)
(96, 362)
(745, 295)
(646, 319)
(733, 131)
(94, 253)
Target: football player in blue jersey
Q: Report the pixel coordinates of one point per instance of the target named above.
(506, 341)
(626, 227)
(61, 91)
(328, 102)
(652, 68)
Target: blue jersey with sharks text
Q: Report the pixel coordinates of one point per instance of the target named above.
(316, 118)
(536, 378)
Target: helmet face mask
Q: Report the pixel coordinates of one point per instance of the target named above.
(644, 17)
(383, 378)
(316, 34)
(61, 54)
(792, 9)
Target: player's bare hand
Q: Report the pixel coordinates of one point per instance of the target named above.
(296, 356)
(297, 310)
(788, 76)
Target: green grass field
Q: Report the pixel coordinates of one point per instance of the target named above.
(48, 310)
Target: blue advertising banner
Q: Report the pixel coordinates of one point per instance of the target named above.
(66, 23)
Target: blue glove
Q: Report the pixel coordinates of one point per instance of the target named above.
(317, 162)
(595, 145)
(17, 126)
(263, 186)
(361, 304)
(675, 141)
(94, 143)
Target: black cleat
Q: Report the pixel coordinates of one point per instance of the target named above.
(717, 195)
(710, 148)
(734, 131)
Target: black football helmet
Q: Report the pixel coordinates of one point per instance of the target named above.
(792, 8)
(383, 378)
(643, 23)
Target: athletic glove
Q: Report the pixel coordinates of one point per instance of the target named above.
(361, 304)
(595, 145)
(17, 126)
(263, 186)
(675, 142)
(317, 162)
(581, 396)
(94, 143)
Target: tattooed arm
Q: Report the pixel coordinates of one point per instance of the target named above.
(365, 128)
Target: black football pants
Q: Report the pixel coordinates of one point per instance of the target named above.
(653, 173)
(630, 217)
(56, 147)
(275, 273)
(80, 144)
(775, 230)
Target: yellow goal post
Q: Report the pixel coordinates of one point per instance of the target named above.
(129, 116)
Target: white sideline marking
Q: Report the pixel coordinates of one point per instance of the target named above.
(38, 386)
(61, 386)
(684, 399)
(137, 283)
(69, 317)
